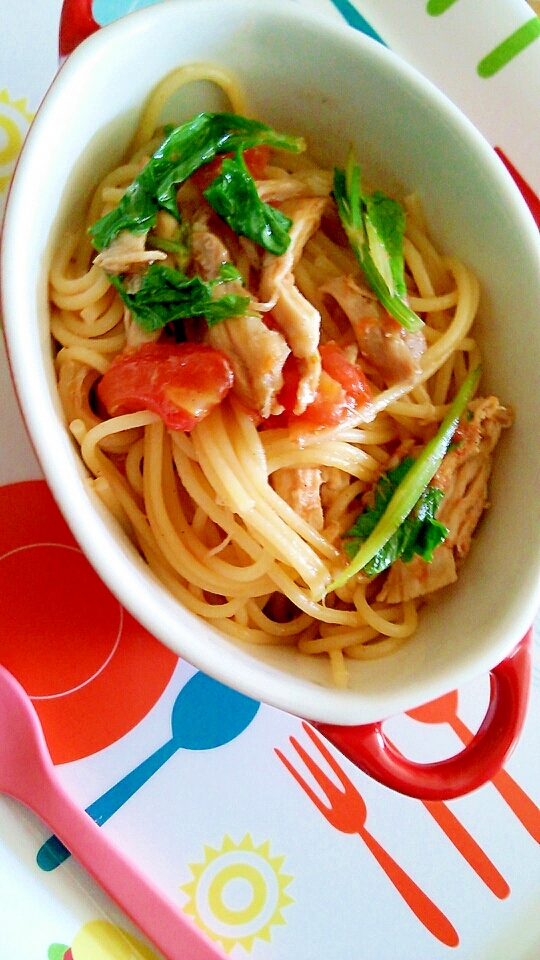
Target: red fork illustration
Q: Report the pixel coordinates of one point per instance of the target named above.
(347, 812)
(466, 845)
(444, 710)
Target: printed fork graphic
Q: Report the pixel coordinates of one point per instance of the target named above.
(347, 812)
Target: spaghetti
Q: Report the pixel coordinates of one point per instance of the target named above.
(244, 514)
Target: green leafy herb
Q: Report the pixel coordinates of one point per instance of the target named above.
(412, 485)
(419, 533)
(168, 246)
(375, 225)
(179, 245)
(234, 197)
(167, 295)
(183, 151)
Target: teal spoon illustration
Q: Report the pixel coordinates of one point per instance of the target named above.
(355, 19)
(206, 714)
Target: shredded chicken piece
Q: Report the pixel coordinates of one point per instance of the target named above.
(208, 251)
(300, 323)
(384, 344)
(334, 481)
(407, 581)
(280, 189)
(305, 214)
(310, 491)
(257, 355)
(256, 352)
(298, 319)
(252, 252)
(318, 181)
(463, 477)
(127, 253)
(300, 488)
(464, 473)
(312, 183)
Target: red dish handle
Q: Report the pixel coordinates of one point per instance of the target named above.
(368, 748)
(76, 24)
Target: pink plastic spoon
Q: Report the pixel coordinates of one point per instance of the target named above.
(27, 774)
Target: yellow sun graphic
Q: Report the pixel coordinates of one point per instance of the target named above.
(237, 893)
(15, 118)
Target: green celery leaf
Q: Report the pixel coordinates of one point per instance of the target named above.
(183, 151)
(137, 212)
(418, 534)
(168, 246)
(167, 295)
(179, 244)
(233, 195)
(411, 486)
(385, 226)
(375, 227)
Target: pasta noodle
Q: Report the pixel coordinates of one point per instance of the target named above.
(243, 516)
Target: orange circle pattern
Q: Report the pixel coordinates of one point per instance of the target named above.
(92, 671)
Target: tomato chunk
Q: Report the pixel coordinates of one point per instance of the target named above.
(342, 389)
(255, 159)
(181, 382)
(350, 375)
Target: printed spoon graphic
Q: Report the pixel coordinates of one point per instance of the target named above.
(205, 714)
(27, 774)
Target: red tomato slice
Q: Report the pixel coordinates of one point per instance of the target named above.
(182, 382)
(255, 158)
(349, 375)
(342, 389)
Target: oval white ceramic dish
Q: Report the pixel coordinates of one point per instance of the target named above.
(308, 76)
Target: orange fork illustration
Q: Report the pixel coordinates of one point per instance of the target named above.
(347, 812)
(444, 710)
(467, 846)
